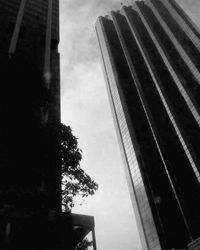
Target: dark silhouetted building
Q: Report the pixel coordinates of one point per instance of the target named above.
(30, 116)
(29, 102)
(151, 58)
(30, 165)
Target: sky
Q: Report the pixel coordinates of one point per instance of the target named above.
(85, 107)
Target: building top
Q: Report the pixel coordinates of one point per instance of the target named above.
(34, 15)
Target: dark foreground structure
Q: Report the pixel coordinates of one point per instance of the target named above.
(151, 59)
(29, 103)
(30, 167)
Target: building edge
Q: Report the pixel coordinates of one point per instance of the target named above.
(132, 194)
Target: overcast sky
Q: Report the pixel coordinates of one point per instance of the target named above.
(86, 109)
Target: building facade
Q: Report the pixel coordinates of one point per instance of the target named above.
(30, 99)
(30, 167)
(29, 105)
(150, 53)
(30, 115)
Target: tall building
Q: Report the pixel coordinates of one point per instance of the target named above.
(30, 188)
(29, 102)
(30, 167)
(150, 53)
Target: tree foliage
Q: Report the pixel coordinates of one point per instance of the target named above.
(75, 181)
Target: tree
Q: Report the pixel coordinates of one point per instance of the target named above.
(75, 181)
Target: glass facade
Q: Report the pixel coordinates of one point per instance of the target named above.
(182, 24)
(121, 115)
(153, 93)
(172, 87)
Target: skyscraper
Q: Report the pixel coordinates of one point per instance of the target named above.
(30, 167)
(30, 188)
(30, 99)
(150, 53)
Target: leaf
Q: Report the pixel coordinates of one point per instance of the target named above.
(74, 179)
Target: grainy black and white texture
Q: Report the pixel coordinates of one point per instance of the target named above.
(150, 53)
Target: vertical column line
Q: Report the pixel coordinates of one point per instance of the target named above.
(15, 36)
(187, 18)
(135, 203)
(7, 236)
(184, 26)
(180, 87)
(94, 239)
(146, 111)
(176, 43)
(144, 54)
(47, 56)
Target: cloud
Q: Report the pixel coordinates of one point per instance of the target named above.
(78, 38)
(85, 108)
